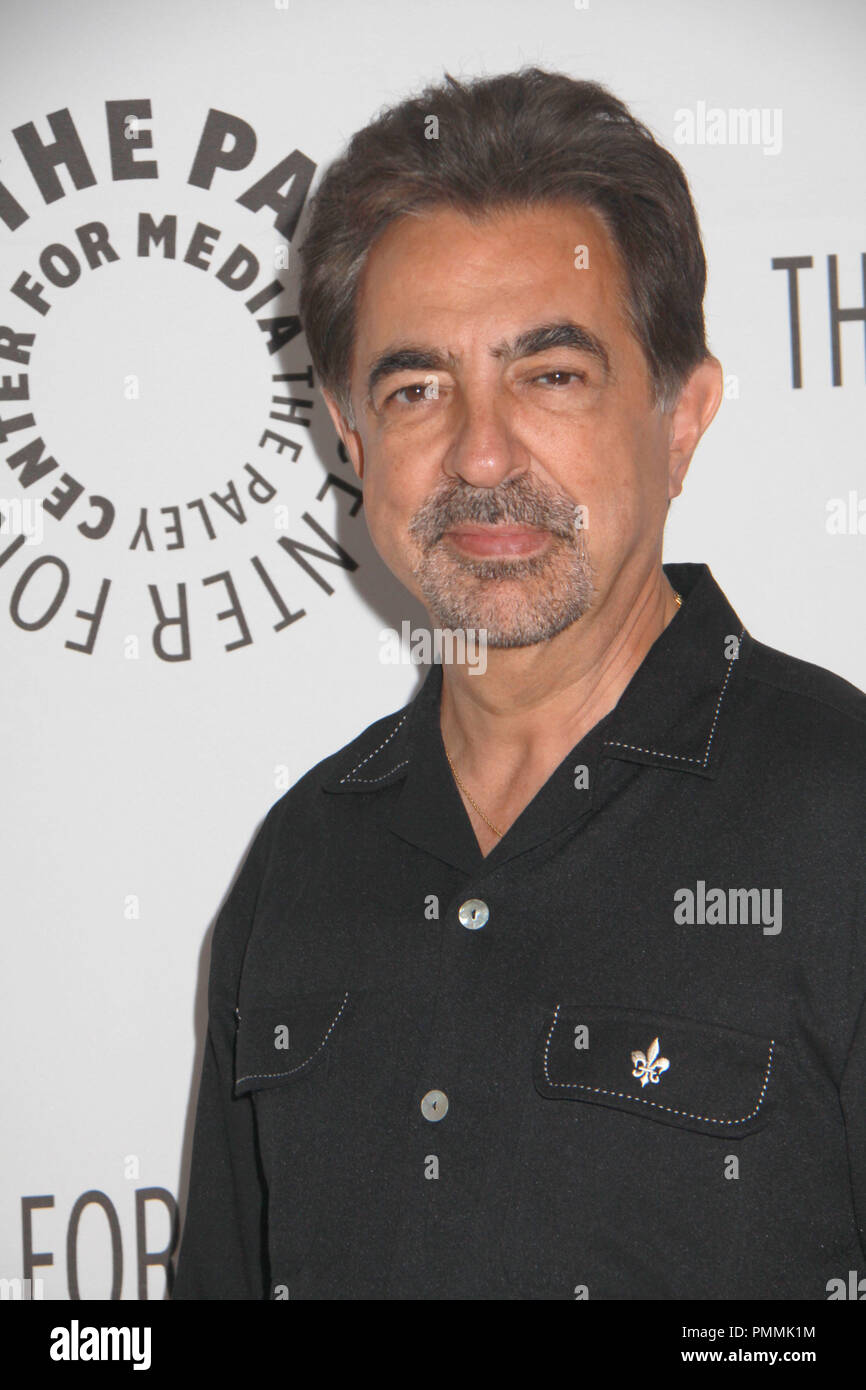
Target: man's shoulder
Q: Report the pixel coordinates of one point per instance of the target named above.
(372, 759)
(806, 681)
(807, 696)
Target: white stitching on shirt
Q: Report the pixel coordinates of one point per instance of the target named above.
(636, 748)
(624, 1095)
(369, 780)
(682, 757)
(262, 1075)
(372, 755)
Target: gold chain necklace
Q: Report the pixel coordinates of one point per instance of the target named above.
(470, 797)
(466, 791)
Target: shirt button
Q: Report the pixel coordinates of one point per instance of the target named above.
(473, 913)
(434, 1106)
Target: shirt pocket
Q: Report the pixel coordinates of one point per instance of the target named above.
(284, 1065)
(643, 1160)
(696, 1076)
(277, 1044)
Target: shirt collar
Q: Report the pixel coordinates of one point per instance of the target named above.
(674, 713)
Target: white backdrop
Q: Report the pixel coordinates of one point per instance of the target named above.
(133, 783)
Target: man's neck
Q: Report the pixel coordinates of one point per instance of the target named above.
(533, 704)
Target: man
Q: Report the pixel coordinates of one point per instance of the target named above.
(549, 985)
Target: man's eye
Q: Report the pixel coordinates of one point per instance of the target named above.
(417, 391)
(546, 376)
(424, 392)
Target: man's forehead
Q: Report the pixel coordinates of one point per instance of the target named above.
(423, 265)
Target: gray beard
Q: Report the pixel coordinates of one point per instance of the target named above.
(517, 600)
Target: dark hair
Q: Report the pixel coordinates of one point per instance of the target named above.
(517, 139)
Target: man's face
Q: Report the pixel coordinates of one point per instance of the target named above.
(508, 480)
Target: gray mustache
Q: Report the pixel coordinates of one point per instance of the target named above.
(515, 503)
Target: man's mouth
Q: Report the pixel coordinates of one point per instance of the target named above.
(505, 538)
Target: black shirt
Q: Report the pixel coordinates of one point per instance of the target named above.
(623, 1056)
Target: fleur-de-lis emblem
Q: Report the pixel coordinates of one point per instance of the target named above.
(649, 1066)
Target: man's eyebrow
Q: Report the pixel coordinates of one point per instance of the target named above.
(564, 333)
(408, 359)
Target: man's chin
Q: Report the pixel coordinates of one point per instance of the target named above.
(507, 626)
(517, 602)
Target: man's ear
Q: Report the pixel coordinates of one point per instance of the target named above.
(699, 400)
(351, 439)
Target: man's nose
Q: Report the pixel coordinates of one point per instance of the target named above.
(485, 449)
